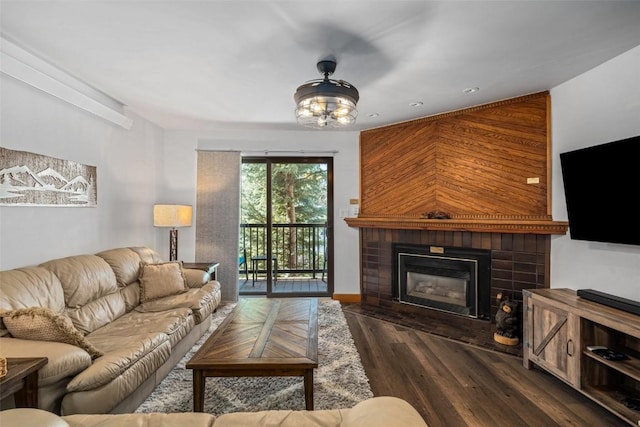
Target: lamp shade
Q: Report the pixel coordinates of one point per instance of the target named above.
(172, 215)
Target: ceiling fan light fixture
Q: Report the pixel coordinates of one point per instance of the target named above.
(326, 102)
(345, 120)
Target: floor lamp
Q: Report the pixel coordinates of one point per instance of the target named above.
(172, 216)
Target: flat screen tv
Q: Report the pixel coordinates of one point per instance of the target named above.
(602, 190)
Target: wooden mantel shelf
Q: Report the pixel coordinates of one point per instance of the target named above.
(517, 226)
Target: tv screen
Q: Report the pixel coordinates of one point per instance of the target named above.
(602, 189)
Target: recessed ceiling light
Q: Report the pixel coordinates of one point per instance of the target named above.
(416, 104)
(471, 89)
(374, 114)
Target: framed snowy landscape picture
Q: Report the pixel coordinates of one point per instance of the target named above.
(29, 179)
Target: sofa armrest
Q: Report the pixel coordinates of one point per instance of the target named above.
(383, 411)
(65, 360)
(30, 417)
(196, 278)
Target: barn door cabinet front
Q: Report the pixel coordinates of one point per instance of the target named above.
(551, 338)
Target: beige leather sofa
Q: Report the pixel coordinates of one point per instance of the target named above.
(384, 411)
(131, 316)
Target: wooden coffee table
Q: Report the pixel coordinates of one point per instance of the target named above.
(261, 338)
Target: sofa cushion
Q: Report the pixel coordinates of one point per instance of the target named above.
(65, 360)
(125, 264)
(42, 324)
(202, 301)
(175, 322)
(325, 418)
(30, 287)
(147, 255)
(84, 278)
(90, 290)
(98, 313)
(161, 280)
(188, 419)
(131, 295)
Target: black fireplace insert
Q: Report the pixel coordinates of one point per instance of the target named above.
(448, 279)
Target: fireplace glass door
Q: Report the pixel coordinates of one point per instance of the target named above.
(448, 290)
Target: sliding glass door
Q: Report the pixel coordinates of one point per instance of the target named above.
(285, 231)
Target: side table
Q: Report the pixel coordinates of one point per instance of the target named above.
(22, 380)
(209, 267)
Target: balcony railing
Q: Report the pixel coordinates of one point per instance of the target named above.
(299, 248)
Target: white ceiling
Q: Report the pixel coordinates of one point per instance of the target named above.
(236, 64)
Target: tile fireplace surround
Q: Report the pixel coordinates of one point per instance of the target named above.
(518, 261)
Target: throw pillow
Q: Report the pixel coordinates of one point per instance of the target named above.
(42, 324)
(161, 280)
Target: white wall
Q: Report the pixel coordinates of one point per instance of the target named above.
(179, 174)
(599, 106)
(145, 165)
(126, 162)
(137, 168)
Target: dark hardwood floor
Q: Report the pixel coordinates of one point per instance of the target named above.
(458, 384)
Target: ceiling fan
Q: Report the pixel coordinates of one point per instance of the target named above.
(326, 102)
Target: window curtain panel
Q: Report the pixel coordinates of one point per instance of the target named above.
(218, 216)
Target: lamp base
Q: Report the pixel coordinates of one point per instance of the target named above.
(173, 244)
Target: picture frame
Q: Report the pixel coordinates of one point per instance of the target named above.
(30, 179)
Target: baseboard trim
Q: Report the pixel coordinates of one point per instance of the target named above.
(347, 297)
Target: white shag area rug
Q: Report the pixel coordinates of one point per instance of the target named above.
(339, 381)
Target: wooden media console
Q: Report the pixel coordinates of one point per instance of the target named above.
(558, 328)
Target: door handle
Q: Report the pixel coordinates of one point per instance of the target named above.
(570, 348)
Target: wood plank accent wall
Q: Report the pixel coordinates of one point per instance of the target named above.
(472, 163)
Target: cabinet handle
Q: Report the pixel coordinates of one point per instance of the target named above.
(570, 348)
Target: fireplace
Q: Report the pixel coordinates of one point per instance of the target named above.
(487, 168)
(517, 262)
(447, 279)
